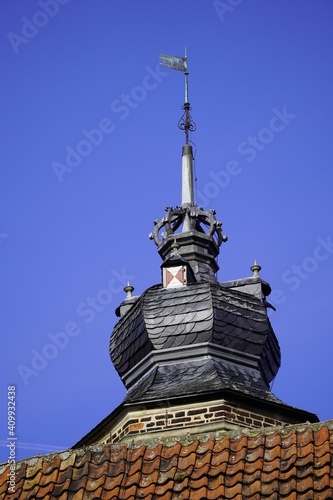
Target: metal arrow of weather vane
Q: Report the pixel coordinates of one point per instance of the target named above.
(180, 63)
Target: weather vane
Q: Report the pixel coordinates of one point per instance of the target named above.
(180, 63)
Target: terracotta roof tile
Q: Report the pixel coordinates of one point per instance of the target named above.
(322, 450)
(180, 482)
(203, 448)
(322, 482)
(136, 453)
(220, 458)
(110, 494)
(304, 438)
(112, 482)
(170, 452)
(82, 458)
(238, 444)
(321, 435)
(147, 479)
(94, 495)
(64, 496)
(270, 467)
(164, 476)
(268, 477)
(252, 475)
(188, 461)
(148, 467)
(270, 488)
(79, 472)
(304, 484)
(133, 479)
(164, 490)
(94, 484)
(294, 463)
(29, 471)
(216, 471)
(215, 494)
(287, 453)
(67, 460)
(96, 471)
(200, 473)
(203, 460)
(45, 490)
(272, 440)
(254, 442)
(79, 495)
(272, 454)
(98, 457)
(145, 492)
(188, 449)
(77, 484)
(47, 479)
(252, 489)
(58, 488)
(222, 444)
(48, 467)
(151, 454)
(4, 477)
(167, 464)
(288, 487)
(234, 479)
(64, 475)
(128, 493)
(119, 454)
(29, 484)
(233, 491)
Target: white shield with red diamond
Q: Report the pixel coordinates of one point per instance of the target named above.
(174, 276)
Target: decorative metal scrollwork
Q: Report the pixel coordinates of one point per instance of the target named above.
(199, 221)
(186, 122)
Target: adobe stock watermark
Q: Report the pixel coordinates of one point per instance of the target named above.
(30, 27)
(85, 311)
(121, 107)
(298, 273)
(249, 149)
(224, 7)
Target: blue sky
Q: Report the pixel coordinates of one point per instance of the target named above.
(91, 155)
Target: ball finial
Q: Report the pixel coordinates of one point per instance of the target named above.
(128, 289)
(255, 269)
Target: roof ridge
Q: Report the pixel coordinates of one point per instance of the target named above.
(185, 441)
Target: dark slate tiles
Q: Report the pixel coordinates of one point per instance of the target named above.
(195, 377)
(199, 313)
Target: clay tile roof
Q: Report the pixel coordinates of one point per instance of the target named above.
(291, 462)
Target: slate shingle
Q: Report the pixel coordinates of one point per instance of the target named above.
(195, 314)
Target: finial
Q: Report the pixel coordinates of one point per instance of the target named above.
(128, 289)
(174, 246)
(255, 269)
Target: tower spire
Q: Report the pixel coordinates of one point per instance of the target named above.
(187, 124)
(201, 234)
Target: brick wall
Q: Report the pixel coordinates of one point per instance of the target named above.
(184, 417)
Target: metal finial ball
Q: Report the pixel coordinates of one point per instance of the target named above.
(128, 289)
(255, 269)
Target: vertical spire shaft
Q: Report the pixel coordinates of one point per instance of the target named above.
(186, 77)
(187, 175)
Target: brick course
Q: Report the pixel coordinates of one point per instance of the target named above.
(186, 417)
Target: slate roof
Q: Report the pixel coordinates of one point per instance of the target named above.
(292, 463)
(235, 323)
(197, 377)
